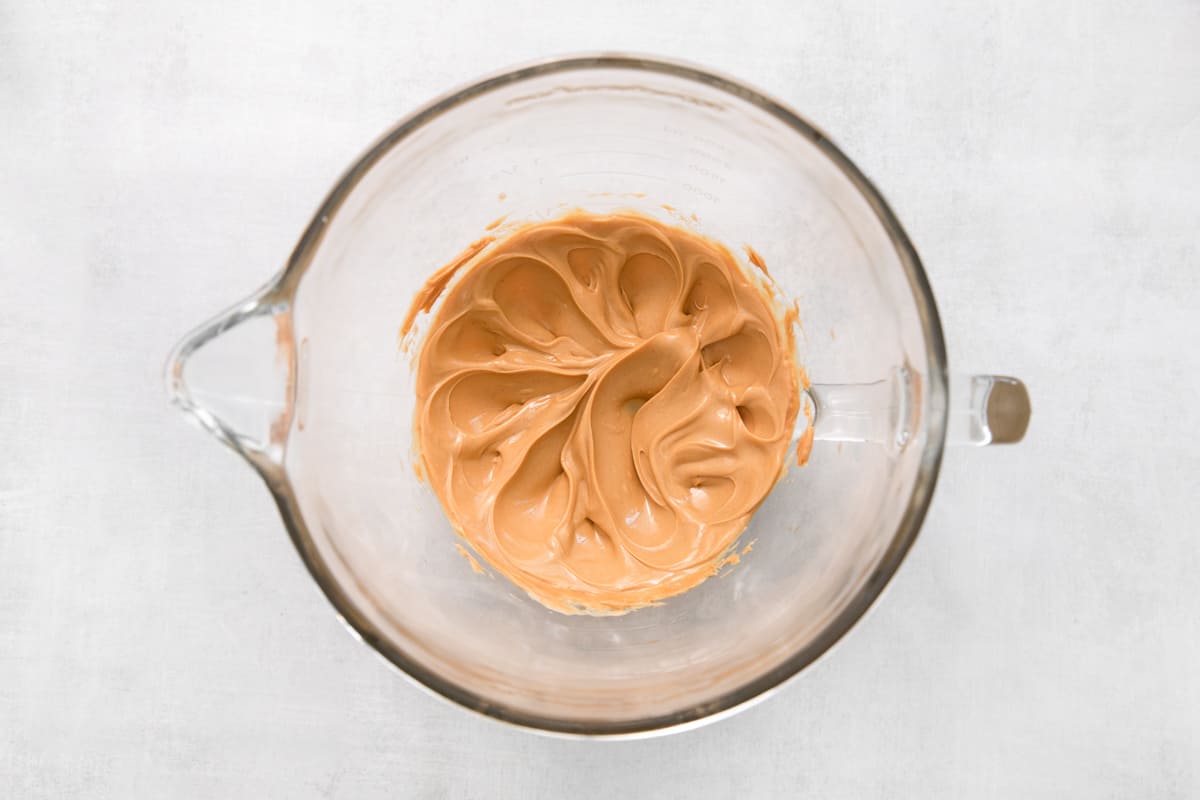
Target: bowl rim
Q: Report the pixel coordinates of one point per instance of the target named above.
(764, 685)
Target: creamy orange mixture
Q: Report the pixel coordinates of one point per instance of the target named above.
(603, 402)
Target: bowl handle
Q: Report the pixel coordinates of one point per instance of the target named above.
(235, 376)
(984, 409)
(987, 409)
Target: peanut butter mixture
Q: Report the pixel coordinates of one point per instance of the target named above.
(603, 402)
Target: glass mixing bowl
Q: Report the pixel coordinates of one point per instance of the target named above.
(306, 381)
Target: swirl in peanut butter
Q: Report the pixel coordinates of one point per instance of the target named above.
(602, 403)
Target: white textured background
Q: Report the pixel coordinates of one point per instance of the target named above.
(158, 636)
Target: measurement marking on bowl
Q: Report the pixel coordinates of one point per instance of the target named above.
(613, 172)
(615, 152)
